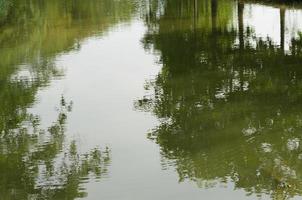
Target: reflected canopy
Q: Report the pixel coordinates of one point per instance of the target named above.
(229, 100)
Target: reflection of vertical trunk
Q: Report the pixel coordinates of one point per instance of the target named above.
(214, 14)
(282, 27)
(148, 15)
(195, 13)
(241, 39)
(149, 11)
(214, 31)
(181, 8)
(240, 24)
(195, 17)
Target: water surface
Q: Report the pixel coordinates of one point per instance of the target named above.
(169, 99)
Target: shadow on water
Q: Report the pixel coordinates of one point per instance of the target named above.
(229, 93)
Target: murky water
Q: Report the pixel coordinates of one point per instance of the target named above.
(155, 99)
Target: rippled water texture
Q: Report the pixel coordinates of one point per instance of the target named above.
(150, 99)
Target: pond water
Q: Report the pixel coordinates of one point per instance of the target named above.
(150, 99)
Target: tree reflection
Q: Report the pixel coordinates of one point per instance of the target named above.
(229, 111)
(34, 33)
(39, 164)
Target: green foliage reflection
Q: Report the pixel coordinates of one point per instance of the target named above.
(39, 164)
(230, 110)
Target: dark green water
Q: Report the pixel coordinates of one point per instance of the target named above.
(167, 99)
